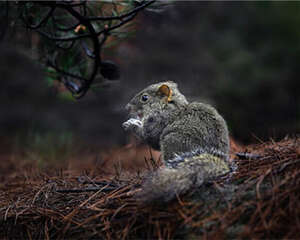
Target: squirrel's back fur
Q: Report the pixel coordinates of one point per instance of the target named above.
(197, 126)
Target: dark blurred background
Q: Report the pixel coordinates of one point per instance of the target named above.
(241, 57)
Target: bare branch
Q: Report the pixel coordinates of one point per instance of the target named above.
(66, 29)
(88, 31)
(42, 22)
(62, 39)
(118, 25)
(59, 45)
(64, 72)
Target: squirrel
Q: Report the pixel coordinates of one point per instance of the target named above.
(192, 137)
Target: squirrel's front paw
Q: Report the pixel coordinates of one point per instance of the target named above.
(131, 124)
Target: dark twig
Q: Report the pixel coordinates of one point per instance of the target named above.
(59, 45)
(62, 39)
(97, 48)
(244, 155)
(42, 22)
(118, 25)
(91, 189)
(64, 72)
(63, 29)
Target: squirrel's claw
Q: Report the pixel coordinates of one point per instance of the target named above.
(131, 124)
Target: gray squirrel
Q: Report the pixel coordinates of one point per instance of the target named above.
(192, 137)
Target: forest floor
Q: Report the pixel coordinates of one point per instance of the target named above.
(93, 197)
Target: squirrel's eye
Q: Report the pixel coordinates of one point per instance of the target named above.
(145, 98)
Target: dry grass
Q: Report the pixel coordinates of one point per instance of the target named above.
(260, 200)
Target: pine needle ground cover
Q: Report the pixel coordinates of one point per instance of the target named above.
(259, 199)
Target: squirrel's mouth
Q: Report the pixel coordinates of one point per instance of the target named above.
(140, 116)
(136, 115)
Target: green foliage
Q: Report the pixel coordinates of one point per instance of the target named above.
(66, 96)
(51, 76)
(74, 35)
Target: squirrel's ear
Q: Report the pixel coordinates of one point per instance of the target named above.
(165, 90)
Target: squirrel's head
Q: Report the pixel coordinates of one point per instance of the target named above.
(156, 97)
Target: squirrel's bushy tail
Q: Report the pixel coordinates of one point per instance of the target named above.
(164, 184)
